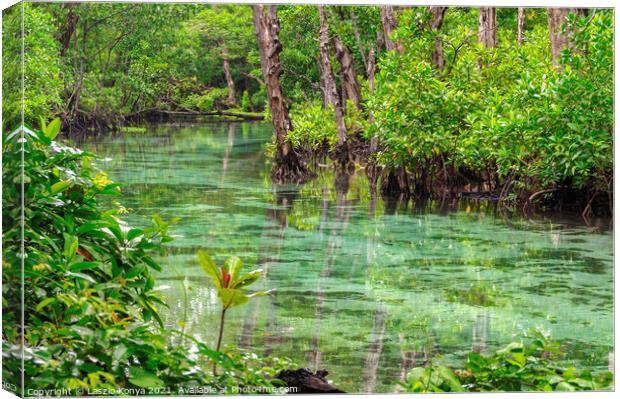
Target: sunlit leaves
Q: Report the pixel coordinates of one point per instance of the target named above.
(516, 367)
(228, 280)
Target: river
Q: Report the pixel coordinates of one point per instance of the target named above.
(364, 288)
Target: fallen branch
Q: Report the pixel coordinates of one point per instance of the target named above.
(252, 117)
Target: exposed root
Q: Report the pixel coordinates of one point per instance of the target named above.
(587, 211)
(533, 196)
(290, 168)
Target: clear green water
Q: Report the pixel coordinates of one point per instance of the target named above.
(365, 295)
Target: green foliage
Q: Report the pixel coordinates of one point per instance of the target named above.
(246, 105)
(502, 110)
(133, 129)
(226, 32)
(41, 67)
(517, 367)
(90, 299)
(229, 281)
(213, 99)
(315, 126)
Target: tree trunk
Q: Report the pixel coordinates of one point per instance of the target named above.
(358, 39)
(487, 27)
(331, 93)
(374, 140)
(68, 28)
(389, 26)
(521, 25)
(348, 76)
(556, 17)
(232, 95)
(438, 14)
(266, 29)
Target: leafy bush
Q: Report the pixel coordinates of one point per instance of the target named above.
(213, 99)
(499, 111)
(43, 84)
(246, 105)
(90, 301)
(259, 99)
(315, 126)
(517, 367)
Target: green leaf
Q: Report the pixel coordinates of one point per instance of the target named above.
(134, 271)
(60, 186)
(449, 377)
(76, 267)
(152, 263)
(44, 303)
(144, 379)
(52, 130)
(260, 293)
(233, 265)
(247, 279)
(71, 246)
(133, 233)
(42, 124)
(475, 361)
(82, 276)
(210, 268)
(564, 386)
(232, 297)
(518, 359)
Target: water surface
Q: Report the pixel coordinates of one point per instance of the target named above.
(364, 288)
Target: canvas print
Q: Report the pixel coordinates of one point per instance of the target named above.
(210, 199)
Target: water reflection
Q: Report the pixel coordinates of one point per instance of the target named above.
(367, 286)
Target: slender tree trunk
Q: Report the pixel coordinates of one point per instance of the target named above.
(232, 94)
(348, 76)
(438, 14)
(556, 17)
(521, 25)
(326, 95)
(328, 77)
(358, 39)
(389, 26)
(487, 27)
(74, 101)
(266, 28)
(68, 28)
(372, 170)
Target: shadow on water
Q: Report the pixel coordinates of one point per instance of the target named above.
(367, 286)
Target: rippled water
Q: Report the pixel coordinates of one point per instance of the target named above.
(364, 288)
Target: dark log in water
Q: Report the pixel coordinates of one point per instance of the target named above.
(305, 381)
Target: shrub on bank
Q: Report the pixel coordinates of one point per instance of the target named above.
(534, 366)
(315, 126)
(502, 111)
